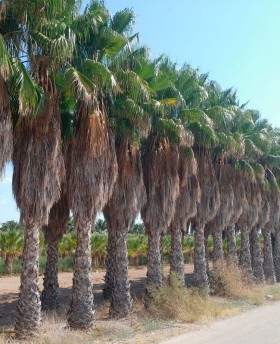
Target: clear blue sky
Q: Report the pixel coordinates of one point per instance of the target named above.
(237, 42)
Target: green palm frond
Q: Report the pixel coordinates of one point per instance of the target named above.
(30, 95)
(133, 86)
(81, 87)
(111, 42)
(123, 21)
(5, 60)
(100, 75)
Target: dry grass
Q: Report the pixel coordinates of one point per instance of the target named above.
(185, 305)
(228, 280)
(174, 310)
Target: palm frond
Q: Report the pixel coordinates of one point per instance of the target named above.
(82, 87)
(30, 95)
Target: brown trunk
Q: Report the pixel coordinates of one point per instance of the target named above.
(8, 263)
(81, 313)
(38, 171)
(49, 296)
(256, 255)
(207, 209)
(93, 172)
(218, 252)
(160, 172)
(110, 272)
(53, 232)
(28, 319)
(245, 254)
(277, 255)
(121, 301)
(200, 266)
(268, 265)
(177, 266)
(231, 241)
(154, 267)
(207, 258)
(120, 212)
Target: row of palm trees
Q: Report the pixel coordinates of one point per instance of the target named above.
(92, 123)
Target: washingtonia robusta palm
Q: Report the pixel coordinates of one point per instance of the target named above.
(38, 164)
(130, 122)
(94, 172)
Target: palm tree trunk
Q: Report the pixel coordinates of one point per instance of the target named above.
(268, 265)
(245, 254)
(177, 266)
(8, 263)
(277, 255)
(110, 272)
(231, 240)
(121, 302)
(200, 267)
(81, 313)
(256, 255)
(218, 252)
(154, 267)
(49, 296)
(207, 258)
(29, 306)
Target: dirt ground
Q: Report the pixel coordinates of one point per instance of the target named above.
(9, 289)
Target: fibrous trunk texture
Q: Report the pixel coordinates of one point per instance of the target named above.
(120, 213)
(231, 241)
(276, 255)
(53, 232)
(121, 301)
(207, 258)
(81, 313)
(49, 296)
(154, 267)
(206, 212)
(224, 214)
(256, 255)
(186, 208)
(110, 273)
(92, 174)
(218, 252)
(245, 253)
(6, 136)
(268, 265)
(38, 171)
(200, 266)
(177, 266)
(160, 172)
(247, 221)
(28, 319)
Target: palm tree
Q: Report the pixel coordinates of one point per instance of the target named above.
(38, 164)
(10, 246)
(270, 226)
(206, 211)
(239, 203)
(222, 219)
(186, 208)
(130, 123)
(160, 159)
(93, 168)
(100, 226)
(256, 254)
(120, 212)
(10, 225)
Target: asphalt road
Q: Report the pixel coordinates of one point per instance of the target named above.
(258, 326)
